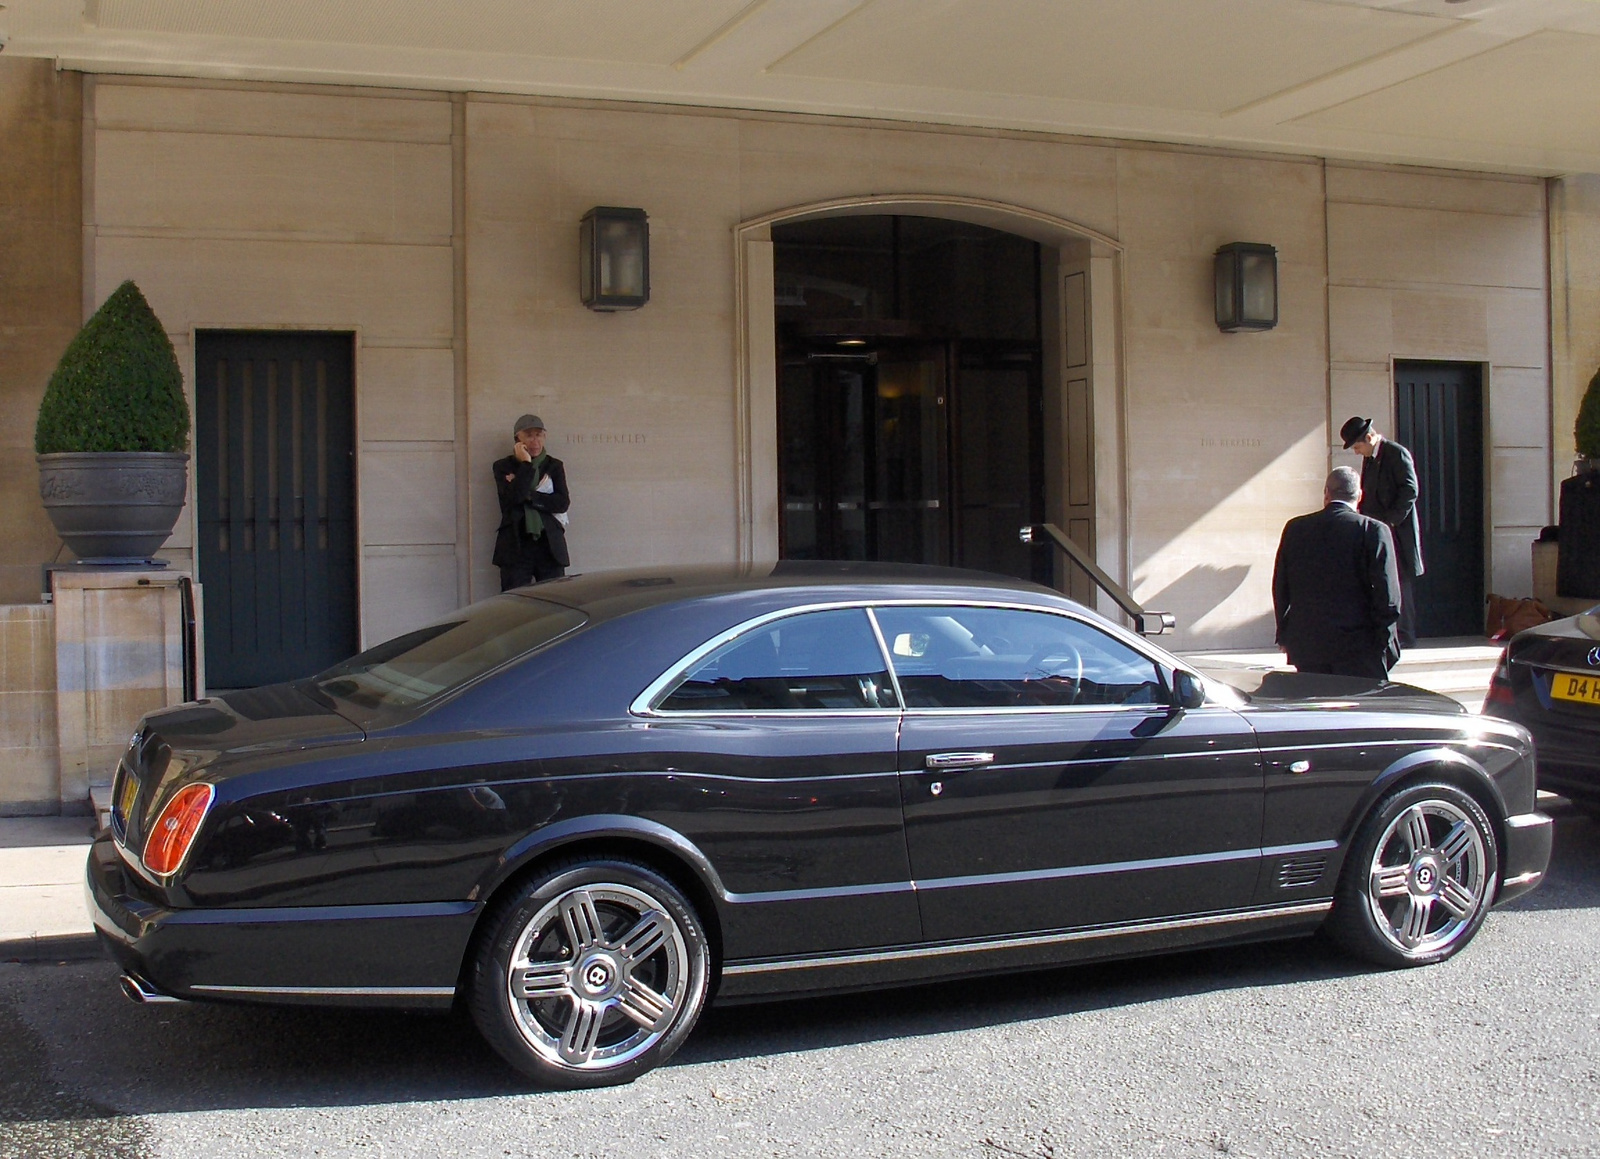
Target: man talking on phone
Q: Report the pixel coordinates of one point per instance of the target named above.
(531, 544)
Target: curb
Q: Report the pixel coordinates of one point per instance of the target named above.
(50, 948)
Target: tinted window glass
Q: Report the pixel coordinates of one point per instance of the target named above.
(954, 657)
(431, 661)
(816, 660)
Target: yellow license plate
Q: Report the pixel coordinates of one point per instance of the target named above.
(1583, 689)
(127, 793)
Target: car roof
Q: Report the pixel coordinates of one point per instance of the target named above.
(604, 595)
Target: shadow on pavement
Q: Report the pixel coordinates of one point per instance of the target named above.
(72, 1048)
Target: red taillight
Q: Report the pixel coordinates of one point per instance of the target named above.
(174, 830)
(1500, 683)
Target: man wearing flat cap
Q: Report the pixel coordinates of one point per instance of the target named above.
(531, 544)
(1389, 493)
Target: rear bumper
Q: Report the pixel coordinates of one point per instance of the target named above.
(1526, 855)
(366, 955)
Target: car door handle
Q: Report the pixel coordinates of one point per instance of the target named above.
(947, 761)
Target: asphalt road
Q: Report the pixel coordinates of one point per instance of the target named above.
(1277, 1050)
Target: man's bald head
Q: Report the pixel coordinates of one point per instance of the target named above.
(1342, 484)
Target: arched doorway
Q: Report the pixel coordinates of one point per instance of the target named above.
(910, 392)
(951, 369)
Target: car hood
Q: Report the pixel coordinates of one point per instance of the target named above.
(1289, 690)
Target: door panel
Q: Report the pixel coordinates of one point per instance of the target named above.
(1067, 793)
(864, 456)
(274, 439)
(1439, 418)
(1085, 817)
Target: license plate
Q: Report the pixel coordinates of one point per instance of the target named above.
(127, 793)
(1581, 689)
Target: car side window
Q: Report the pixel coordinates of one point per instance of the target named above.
(960, 657)
(824, 661)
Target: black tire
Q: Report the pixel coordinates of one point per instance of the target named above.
(1419, 878)
(617, 964)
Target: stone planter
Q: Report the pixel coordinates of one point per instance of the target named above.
(113, 507)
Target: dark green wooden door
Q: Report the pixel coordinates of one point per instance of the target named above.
(275, 488)
(1439, 416)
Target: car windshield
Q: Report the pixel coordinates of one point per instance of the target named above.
(431, 661)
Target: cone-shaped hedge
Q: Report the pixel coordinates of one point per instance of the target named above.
(1587, 430)
(117, 387)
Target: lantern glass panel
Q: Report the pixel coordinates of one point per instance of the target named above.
(1225, 289)
(621, 258)
(1260, 287)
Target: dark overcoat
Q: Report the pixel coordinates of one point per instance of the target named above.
(1336, 594)
(511, 541)
(1389, 493)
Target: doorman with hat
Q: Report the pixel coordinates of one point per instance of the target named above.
(1389, 493)
(531, 544)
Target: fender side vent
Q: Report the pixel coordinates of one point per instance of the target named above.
(1301, 872)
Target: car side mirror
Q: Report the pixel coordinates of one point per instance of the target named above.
(1188, 690)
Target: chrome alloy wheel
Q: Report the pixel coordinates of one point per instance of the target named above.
(1429, 878)
(597, 977)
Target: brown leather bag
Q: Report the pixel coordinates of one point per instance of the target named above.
(1509, 615)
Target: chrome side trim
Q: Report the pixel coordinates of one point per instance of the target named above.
(1023, 941)
(821, 894)
(838, 891)
(335, 991)
(1532, 875)
(1089, 870)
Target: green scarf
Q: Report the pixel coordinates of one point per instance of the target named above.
(532, 521)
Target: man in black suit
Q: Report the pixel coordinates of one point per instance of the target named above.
(1389, 493)
(1334, 588)
(531, 544)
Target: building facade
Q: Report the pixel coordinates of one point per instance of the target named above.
(435, 235)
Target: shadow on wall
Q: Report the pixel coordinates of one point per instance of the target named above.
(1214, 572)
(1209, 587)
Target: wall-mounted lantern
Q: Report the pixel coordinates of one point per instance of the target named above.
(614, 258)
(1247, 286)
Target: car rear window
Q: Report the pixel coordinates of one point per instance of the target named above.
(432, 661)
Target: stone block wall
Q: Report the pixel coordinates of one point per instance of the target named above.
(29, 777)
(41, 246)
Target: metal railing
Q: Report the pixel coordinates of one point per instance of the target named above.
(1146, 623)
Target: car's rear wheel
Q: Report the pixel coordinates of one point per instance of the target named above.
(591, 975)
(1419, 878)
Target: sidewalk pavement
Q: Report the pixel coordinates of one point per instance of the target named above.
(42, 914)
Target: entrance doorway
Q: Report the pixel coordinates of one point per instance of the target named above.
(910, 392)
(1439, 417)
(275, 491)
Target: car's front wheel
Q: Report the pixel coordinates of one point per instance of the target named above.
(593, 974)
(1419, 878)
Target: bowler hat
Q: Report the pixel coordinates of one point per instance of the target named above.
(1353, 429)
(528, 423)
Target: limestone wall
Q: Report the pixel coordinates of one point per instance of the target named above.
(444, 233)
(40, 307)
(303, 208)
(1574, 306)
(1437, 265)
(29, 771)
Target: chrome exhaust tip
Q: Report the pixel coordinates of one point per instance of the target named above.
(141, 991)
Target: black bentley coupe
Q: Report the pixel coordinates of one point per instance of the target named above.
(1548, 680)
(583, 809)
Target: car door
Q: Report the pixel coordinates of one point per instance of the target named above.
(1048, 782)
(780, 742)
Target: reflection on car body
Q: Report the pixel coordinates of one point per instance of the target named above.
(586, 808)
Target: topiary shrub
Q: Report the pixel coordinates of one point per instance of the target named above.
(1587, 429)
(117, 387)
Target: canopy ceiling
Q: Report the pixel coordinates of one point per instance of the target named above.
(1499, 84)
